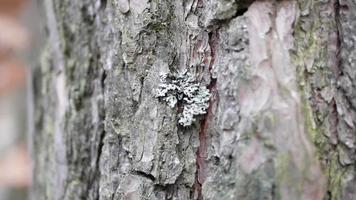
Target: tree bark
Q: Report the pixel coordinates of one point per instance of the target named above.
(282, 109)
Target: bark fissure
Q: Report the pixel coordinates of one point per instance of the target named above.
(102, 134)
(213, 42)
(201, 152)
(145, 175)
(334, 119)
(204, 124)
(338, 63)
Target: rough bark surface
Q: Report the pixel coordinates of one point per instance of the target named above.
(282, 114)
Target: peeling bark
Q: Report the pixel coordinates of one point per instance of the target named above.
(281, 118)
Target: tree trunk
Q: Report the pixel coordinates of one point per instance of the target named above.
(281, 120)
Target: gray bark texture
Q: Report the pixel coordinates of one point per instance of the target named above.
(281, 122)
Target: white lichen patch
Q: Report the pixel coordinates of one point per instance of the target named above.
(184, 88)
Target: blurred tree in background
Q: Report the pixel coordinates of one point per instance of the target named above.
(14, 162)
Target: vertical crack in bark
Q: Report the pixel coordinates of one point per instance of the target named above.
(204, 125)
(213, 41)
(338, 39)
(103, 132)
(334, 119)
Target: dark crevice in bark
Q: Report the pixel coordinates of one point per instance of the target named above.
(334, 120)
(204, 125)
(103, 4)
(143, 174)
(100, 148)
(336, 72)
(241, 11)
(337, 68)
(200, 3)
(168, 189)
(220, 22)
(273, 191)
(103, 132)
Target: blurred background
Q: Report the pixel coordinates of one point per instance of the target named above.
(15, 166)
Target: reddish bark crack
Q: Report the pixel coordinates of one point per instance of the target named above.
(204, 124)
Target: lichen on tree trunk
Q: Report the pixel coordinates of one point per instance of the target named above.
(281, 117)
